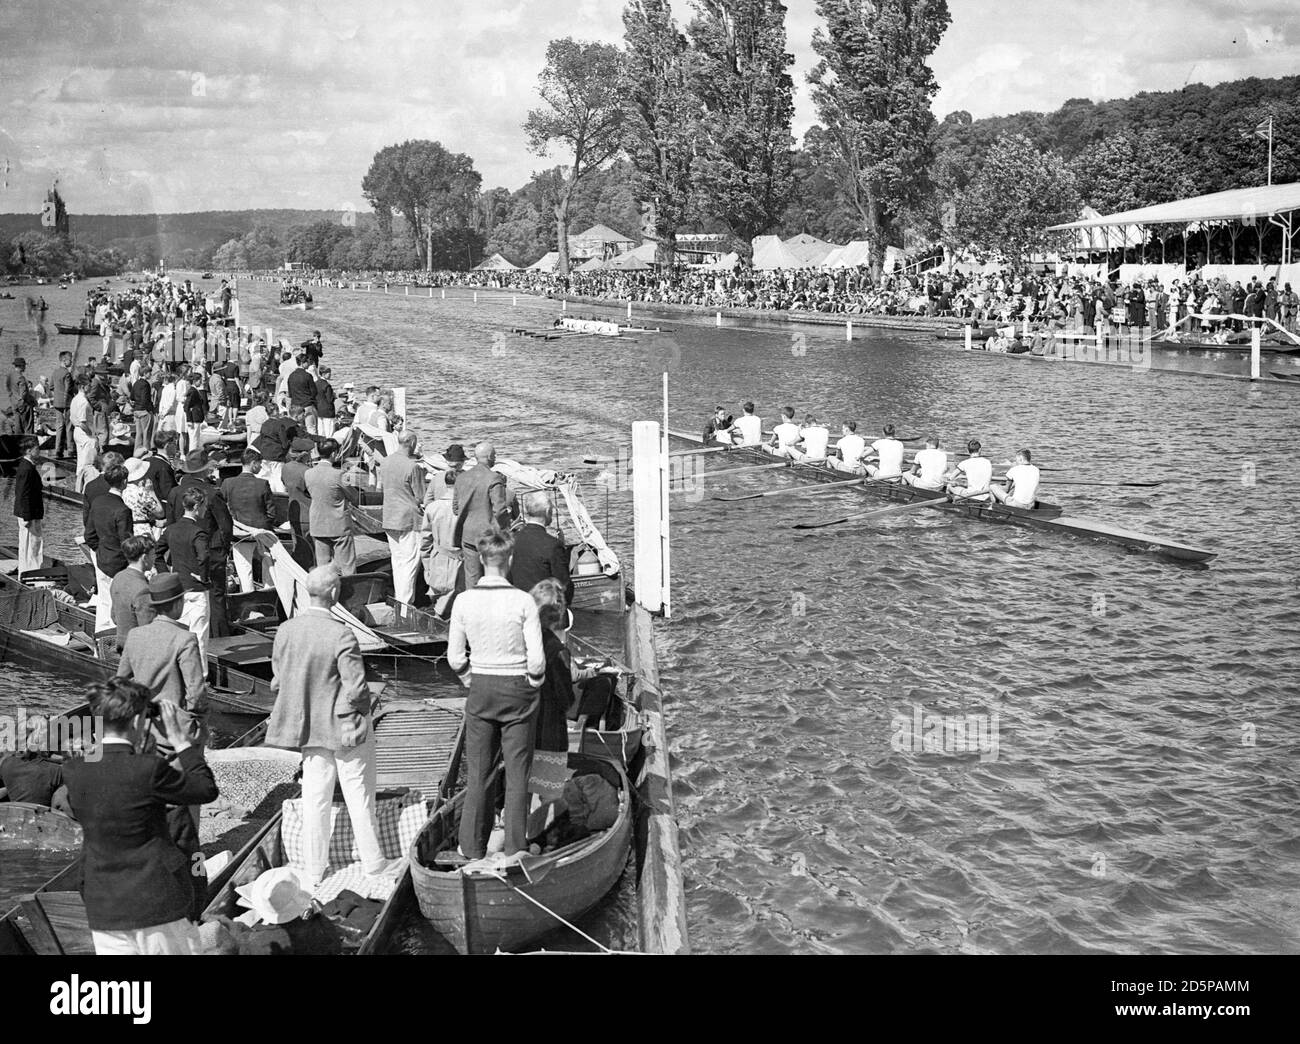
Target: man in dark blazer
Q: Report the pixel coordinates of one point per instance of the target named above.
(29, 506)
(217, 522)
(480, 505)
(98, 486)
(329, 520)
(538, 554)
(326, 412)
(144, 408)
(161, 474)
(109, 526)
(129, 591)
(141, 882)
(301, 387)
(186, 549)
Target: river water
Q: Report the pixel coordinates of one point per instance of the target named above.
(1135, 790)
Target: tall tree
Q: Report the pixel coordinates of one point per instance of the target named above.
(1125, 171)
(1005, 211)
(872, 88)
(741, 78)
(662, 119)
(432, 188)
(582, 113)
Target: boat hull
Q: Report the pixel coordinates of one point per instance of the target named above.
(1044, 516)
(482, 914)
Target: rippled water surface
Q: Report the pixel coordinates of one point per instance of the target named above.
(1143, 795)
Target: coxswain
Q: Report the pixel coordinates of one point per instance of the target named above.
(970, 478)
(1022, 483)
(749, 427)
(786, 435)
(719, 427)
(813, 441)
(850, 450)
(888, 453)
(930, 467)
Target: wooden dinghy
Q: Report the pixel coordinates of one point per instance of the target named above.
(85, 331)
(483, 912)
(418, 746)
(23, 822)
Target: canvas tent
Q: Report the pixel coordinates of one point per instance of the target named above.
(599, 241)
(811, 251)
(770, 253)
(637, 260)
(851, 255)
(548, 262)
(592, 264)
(495, 263)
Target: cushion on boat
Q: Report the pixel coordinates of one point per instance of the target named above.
(398, 821)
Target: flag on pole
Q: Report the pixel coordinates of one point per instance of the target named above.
(1265, 129)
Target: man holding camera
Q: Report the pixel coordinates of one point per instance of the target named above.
(138, 883)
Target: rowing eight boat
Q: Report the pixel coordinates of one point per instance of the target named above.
(1043, 517)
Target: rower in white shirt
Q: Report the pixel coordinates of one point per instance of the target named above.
(888, 452)
(974, 473)
(850, 450)
(1022, 483)
(749, 428)
(930, 467)
(813, 440)
(786, 435)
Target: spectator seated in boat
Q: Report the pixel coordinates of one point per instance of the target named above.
(35, 776)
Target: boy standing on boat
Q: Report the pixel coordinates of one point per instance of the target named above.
(503, 667)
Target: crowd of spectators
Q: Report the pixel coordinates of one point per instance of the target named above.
(993, 298)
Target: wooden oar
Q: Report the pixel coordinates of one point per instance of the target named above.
(795, 489)
(1097, 482)
(723, 472)
(938, 503)
(673, 453)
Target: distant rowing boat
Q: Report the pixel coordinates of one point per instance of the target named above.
(1046, 517)
(87, 331)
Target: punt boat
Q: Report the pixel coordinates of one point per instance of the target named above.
(1045, 517)
(418, 760)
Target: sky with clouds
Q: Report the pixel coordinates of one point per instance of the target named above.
(176, 105)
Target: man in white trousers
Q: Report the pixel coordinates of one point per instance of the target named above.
(322, 708)
(402, 477)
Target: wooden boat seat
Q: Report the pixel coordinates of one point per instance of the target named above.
(57, 924)
(241, 650)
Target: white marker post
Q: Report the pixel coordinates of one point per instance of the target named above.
(629, 309)
(650, 516)
(848, 330)
(430, 292)
(476, 297)
(1254, 352)
(407, 288)
(444, 294)
(564, 305)
(969, 336)
(515, 301)
(717, 319)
